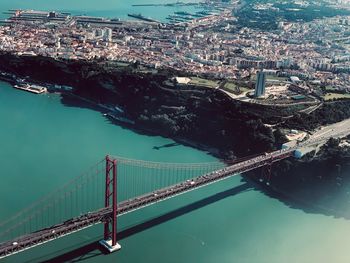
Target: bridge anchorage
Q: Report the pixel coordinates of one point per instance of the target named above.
(110, 224)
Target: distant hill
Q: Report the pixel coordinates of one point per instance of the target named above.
(265, 14)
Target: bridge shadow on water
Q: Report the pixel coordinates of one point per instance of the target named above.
(311, 199)
(168, 145)
(93, 249)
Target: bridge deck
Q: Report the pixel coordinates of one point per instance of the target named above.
(75, 224)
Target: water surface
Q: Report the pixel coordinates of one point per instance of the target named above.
(104, 8)
(44, 144)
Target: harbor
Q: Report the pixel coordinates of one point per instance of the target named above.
(178, 4)
(58, 18)
(183, 16)
(36, 88)
(181, 13)
(66, 19)
(191, 50)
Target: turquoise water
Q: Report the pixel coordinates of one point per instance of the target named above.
(44, 144)
(41, 136)
(106, 8)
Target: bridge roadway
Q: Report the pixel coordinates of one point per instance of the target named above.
(70, 226)
(76, 224)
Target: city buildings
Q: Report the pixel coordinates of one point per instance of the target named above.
(316, 51)
(260, 84)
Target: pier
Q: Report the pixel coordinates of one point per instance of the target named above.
(141, 17)
(31, 88)
(171, 4)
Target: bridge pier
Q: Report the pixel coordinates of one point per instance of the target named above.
(108, 245)
(110, 225)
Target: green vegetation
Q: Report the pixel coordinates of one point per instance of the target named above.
(244, 89)
(330, 112)
(330, 88)
(233, 88)
(336, 96)
(122, 64)
(117, 64)
(146, 71)
(268, 19)
(204, 82)
(270, 77)
(200, 115)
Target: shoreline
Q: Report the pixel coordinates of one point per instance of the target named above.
(221, 131)
(143, 130)
(271, 190)
(134, 127)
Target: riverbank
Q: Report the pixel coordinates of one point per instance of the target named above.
(278, 185)
(72, 100)
(195, 116)
(314, 183)
(200, 115)
(77, 137)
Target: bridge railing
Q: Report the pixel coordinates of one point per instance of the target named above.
(135, 178)
(79, 196)
(85, 193)
(163, 180)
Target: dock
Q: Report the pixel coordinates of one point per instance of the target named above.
(31, 88)
(99, 21)
(171, 4)
(141, 17)
(38, 17)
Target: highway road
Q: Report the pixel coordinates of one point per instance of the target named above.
(336, 130)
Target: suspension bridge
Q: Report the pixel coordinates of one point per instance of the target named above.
(111, 188)
(114, 187)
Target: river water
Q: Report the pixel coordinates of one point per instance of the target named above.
(44, 143)
(104, 8)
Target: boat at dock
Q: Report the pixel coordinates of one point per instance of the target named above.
(31, 88)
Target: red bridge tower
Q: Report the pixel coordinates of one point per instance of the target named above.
(110, 225)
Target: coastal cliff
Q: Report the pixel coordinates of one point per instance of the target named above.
(317, 183)
(205, 117)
